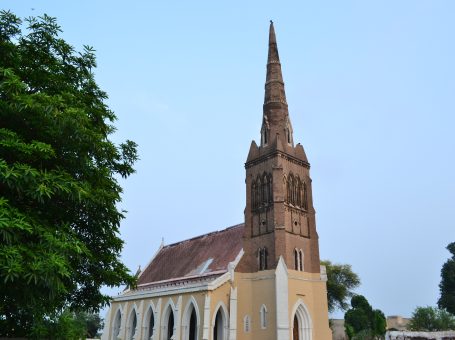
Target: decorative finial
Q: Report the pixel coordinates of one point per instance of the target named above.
(271, 22)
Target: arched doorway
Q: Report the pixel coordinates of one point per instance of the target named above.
(302, 327)
(295, 329)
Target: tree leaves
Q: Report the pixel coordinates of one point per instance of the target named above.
(341, 280)
(58, 178)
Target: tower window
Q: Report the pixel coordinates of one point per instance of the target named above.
(262, 258)
(296, 260)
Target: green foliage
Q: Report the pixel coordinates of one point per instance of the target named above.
(67, 325)
(59, 191)
(431, 319)
(447, 285)
(364, 322)
(341, 280)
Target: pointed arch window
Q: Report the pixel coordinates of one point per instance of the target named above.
(305, 196)
(132, 325)
(117, 324)
(150, 323)
(263, 317)
(263, 258)
(301, 260)
(296, 259)
(253, 195)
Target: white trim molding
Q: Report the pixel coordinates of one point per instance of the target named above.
(282, 300)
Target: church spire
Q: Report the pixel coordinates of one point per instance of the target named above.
(275, 109)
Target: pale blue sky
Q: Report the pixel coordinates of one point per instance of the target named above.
(370, 87)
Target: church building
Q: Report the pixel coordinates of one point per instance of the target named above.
(259, 280)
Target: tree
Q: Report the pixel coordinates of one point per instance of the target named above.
(67, 325)
(364, 322)
(431, 319)
(447, 285)
(341, 280)
(59, 172)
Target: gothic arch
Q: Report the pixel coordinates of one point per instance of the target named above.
(220, 322)
(117, 324)
(262, 258)
(149, 322)
(302, 319)
(132, 324)
(305, 196)
(168, 320)
(296, 259)
(301, 261)
(263, 316)
(187, 319)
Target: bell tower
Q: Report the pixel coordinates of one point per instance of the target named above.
(279, 213)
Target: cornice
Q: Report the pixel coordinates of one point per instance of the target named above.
(275, 153)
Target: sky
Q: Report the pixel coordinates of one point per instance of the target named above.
(371, 93)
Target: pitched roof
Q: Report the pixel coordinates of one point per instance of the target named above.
(200, 256)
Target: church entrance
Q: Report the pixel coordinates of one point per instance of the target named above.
(295, 329)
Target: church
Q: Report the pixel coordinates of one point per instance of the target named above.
(261, 279)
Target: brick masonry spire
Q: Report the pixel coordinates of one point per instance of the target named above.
(275, 109)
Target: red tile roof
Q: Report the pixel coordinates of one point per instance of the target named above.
(200, 256)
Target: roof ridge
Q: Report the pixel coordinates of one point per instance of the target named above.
(203, 235)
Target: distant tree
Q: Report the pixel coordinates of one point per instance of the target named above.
(431, 319)
(341, 280)
(67, 325)
(59, 190)
(364, 322)
(447, 285)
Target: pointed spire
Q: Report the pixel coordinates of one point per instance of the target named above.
(274, 85)
(276, 117)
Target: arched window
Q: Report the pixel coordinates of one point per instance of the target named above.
(246, 323)
(263, 258)
(264, 193)
(301, 260)
(193, 325)
(296, 260)
(299, 193)
(117, 324)
(305, 197)
(263, 317)
(219, 326)
(253, 195)
(270, 189)
(168, 324)
(132, 324)
(149, 323)
(258, 191)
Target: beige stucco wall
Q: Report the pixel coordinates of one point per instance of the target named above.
(312, 291)
(255, 290)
